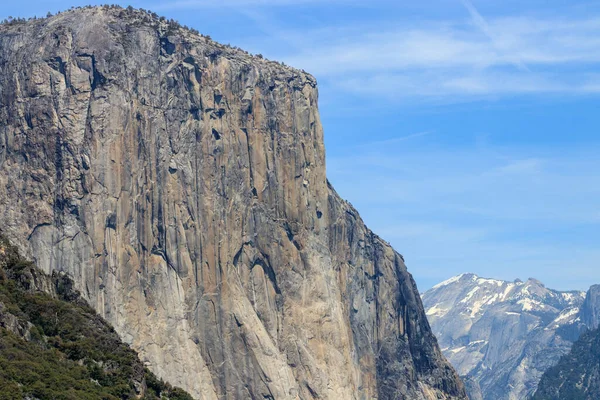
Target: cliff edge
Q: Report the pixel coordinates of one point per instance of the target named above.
(181, 183)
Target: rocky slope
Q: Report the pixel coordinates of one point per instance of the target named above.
(54, 346)
(504, 335)
(577, 374)
(182, 184)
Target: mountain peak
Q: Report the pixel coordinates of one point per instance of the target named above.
(453, 280)
(533, 281)
(482, 324)
(468, 279)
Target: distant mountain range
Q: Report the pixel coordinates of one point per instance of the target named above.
(501, 336)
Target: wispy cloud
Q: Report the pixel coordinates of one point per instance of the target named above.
(400, 139)
(482, 24)
(503, 56)
(454, 56)
(520, 167)
(502, 184)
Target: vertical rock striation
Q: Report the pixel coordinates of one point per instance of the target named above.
(590, 309)
(182, 185)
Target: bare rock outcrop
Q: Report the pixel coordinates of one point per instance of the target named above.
(182, 184)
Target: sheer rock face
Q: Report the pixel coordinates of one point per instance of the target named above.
(590, 310)
(182, 184)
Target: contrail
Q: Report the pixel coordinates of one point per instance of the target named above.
(482, 24)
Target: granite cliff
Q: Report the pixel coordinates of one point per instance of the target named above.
(54, 346)
(502, 336)
(181, 183)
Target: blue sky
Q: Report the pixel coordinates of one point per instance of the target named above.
(465, 132)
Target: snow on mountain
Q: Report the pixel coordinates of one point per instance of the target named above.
(502, 335)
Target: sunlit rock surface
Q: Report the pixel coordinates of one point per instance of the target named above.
(182, 184)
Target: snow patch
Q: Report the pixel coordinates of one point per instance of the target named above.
(436, 311)
(469, 295)
(571, 297)
(448, 281)
(454, 351)
(530, 304)
(564, 318)
(508, 291)
(496, 282)
(566, 314)
(477, 342)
